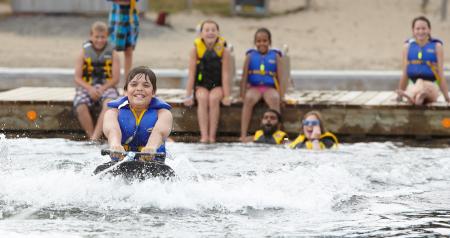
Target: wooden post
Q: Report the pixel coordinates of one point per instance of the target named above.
(444, 10)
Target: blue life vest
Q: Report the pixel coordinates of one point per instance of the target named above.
(136, 130)
(422, 60)
(262, 69)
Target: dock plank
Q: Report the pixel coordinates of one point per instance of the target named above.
(54, 108)
(349, 96)
(363, 98)
(379, 98)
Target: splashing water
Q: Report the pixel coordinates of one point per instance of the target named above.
(364, 189)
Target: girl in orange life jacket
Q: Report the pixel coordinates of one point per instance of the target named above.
(208, 74)
(422, 66)
(260, 78)
(314, 135)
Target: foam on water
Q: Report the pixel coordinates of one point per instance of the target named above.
(360, 188)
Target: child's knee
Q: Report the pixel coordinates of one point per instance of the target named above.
(274, 98)
(250, 102)
(82, 109)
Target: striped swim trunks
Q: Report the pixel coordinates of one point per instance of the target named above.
(82, 96)
(123, 33)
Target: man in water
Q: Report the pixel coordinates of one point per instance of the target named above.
(270, 132)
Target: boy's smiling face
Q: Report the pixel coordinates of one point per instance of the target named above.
(99, 39)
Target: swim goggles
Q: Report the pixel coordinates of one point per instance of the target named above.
(311, 122)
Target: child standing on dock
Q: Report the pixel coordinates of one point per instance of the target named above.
(97, 72)
(124, 29)
(422, 66)
(208, 79)
(260, 78)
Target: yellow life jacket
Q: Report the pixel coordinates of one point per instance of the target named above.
(302, 142)
(97, 66)
(209, 63)
(277, 137)
(201, 48)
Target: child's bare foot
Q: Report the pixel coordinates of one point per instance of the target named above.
(245, 139)
(402, 94)
(204, 140)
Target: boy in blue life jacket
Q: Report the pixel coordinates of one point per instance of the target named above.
(139, 121)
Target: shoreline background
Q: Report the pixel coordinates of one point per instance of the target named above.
(331, 35)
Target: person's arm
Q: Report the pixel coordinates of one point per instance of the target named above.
(115, 73)
(225, 80)
(160, 131)
(280, 77)
(315, 138)
(245, 76)
(79, 77)
(189, 100)
(440, 63)
(111, 129)
(404, 79)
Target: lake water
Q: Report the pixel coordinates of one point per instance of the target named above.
(232, 190)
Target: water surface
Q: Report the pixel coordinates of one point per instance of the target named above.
(234, 190)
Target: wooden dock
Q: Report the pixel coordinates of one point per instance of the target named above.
(358, 113)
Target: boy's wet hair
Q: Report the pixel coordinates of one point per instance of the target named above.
(264, 30)
(99, 26)
(421, 18)
(145, 71)
(209, 21)
(279, 118)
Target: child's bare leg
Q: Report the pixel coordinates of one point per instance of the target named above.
(85, 119)
(252, 96)
(420, 98)
(420, 92)
(98, 131)
(128, 53)
(215, 95)
(432, 91)
(272, 98)
(402, 93)
(202, 95)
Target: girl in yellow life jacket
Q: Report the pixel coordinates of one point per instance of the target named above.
(314, 135)
(208, 79)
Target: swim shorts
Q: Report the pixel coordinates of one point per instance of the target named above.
(82, 96)
(123, 33)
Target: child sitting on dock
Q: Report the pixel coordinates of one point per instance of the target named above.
(314, 135)
(260, 78)
(208, 79)
(270, 132)
(422, 66)
(97, 72)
